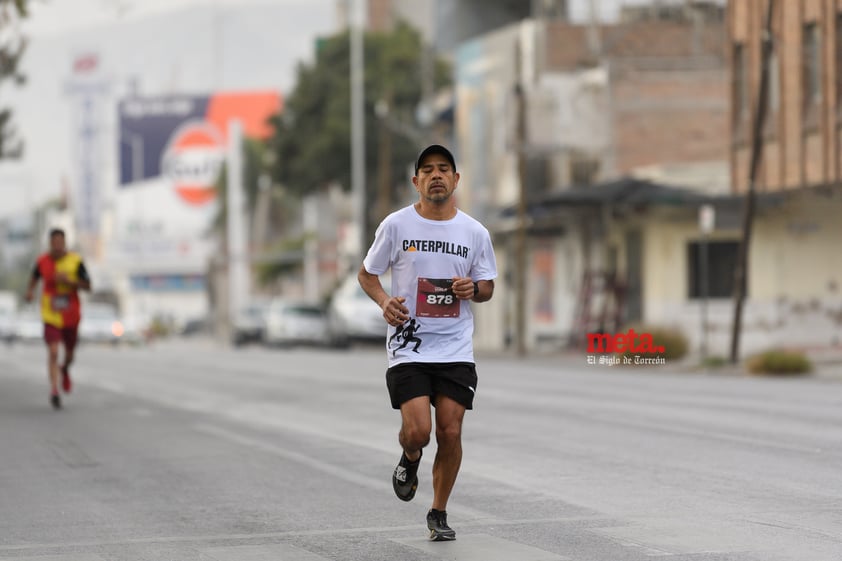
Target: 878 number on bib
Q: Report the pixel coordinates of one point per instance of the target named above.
(436, 299)
(440, 299)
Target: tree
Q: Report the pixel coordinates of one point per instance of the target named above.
(12, 47)
(312, 134)
(282, 206)
(253, 166)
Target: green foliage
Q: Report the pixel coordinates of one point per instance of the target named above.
(16, 279)
(19, 6)
(779, 362)
(714, 362)
(312, 139)
(672, 339)
(11, 51)
(159, 328)
(269, 271)
(254, 164)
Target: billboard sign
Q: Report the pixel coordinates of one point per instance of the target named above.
(182, 139)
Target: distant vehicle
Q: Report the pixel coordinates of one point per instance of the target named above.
(29, 327)
(8, 309)
(196, 326)
(250, 323)
(8, 300)
(289, 323)
(353, 316)
(135, 328)
(100, 324)
(7, 325)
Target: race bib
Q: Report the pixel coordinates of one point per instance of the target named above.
(436, 299)
(60, 303)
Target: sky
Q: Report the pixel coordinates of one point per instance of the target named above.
(58, 16)
(162, 46)
(193, 49)
(50, 16)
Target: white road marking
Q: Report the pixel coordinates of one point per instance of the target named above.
(381, 485)
(274, 552)
(480, 547)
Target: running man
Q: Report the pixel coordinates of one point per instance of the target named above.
(441, 260)
(63, 274)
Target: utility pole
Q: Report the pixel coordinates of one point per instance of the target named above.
(748, 211)
(384, 171)
(238, 280)
(520, 234)
(358, 125)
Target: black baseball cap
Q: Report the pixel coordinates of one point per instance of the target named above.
(434, 149)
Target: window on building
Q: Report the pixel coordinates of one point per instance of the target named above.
(551, 9)
(740, 93)
(838, 63)
(584, 169)
(773, 92)
(721, 264)
(538, 176)
(811, 49)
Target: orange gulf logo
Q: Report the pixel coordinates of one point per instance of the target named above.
(192, 161)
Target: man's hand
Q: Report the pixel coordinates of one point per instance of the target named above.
(394, 312)
(29, 295)
(463, 288)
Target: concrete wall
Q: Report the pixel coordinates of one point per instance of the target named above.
(794, 281)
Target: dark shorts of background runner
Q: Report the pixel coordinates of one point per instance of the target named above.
(66, 335)
(414, 379)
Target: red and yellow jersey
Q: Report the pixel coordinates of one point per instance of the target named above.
(60, 301)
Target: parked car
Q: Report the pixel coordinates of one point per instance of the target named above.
(29, 326)
(250, 323)
(353, 316)
(8, 309)
(7, 325)
(289, 323)
(100, 324)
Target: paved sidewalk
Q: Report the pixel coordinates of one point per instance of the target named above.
(827, 363)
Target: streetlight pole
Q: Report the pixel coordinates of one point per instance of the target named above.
(358, 124)
(237, 250)
(520, 234)
(704, 294)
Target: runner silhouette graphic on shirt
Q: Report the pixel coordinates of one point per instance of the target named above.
(407, 333)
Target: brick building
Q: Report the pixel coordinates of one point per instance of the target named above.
(668, 87)
(802, 132)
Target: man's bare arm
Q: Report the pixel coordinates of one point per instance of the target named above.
(485, 292)
(30, 289)
(394, 312)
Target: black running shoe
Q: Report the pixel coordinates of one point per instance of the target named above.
(437, 524)
(55, 400)
(405, 478)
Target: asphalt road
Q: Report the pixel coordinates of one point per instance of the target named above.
(191, 451)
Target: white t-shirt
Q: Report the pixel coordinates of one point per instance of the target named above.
(424, 256)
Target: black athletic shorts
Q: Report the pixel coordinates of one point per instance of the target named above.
(456, 380)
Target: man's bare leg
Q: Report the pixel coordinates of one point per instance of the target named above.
(449, 415)
(416, 424)
(53, 369)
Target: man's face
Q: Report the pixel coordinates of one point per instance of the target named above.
(436, 179)
(57, 244)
